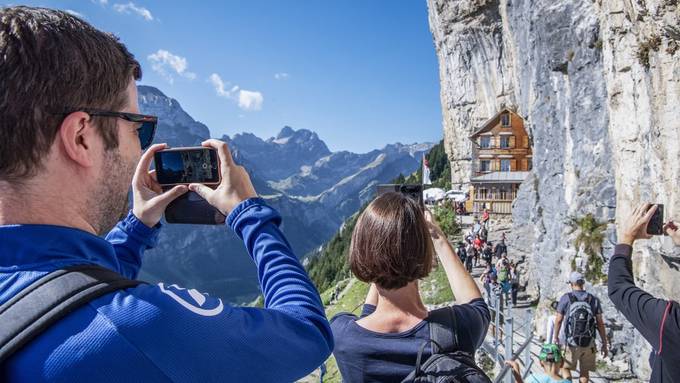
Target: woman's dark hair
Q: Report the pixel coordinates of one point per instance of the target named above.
(391, 244)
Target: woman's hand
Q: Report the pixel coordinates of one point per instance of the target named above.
(149, 200)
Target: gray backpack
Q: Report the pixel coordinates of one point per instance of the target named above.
(580, 328)
(447, 364)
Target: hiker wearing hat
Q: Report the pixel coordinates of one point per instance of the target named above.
(580, 312)
(551, 361)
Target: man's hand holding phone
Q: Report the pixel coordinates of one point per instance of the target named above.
(149, 200)
(235, 186)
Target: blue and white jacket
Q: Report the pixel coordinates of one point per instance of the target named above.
(166, 333)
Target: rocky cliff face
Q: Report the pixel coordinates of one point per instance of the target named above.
(598, 83)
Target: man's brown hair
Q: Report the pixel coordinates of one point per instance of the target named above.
(391, 244)
(51, 61)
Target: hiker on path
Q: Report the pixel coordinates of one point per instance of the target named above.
(485, 218)
(581, 313)
(514, 282)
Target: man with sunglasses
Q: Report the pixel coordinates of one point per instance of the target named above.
(71, 141)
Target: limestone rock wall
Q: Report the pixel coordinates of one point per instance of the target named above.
(598, 83)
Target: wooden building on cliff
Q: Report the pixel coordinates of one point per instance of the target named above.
(502, 159)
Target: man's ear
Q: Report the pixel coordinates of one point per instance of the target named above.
(78, 137)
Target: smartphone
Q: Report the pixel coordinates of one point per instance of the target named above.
(414, 191)
(655, 226)
(191, 208)
(179, 166)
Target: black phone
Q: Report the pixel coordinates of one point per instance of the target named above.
(414, 191)
(179, 166)
(655, 226)
(191, 208)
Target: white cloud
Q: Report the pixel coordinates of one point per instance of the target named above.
(249, 100)
(74, 13)
(163, 62)
(281, 76)
(132, 8)
(100, 2)
(246, 99)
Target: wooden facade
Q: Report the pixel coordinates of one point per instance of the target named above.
(502, 144)
(502, 158)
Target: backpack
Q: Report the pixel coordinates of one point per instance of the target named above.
(446, 363)
(47, 300)
(503, 274)
(580, 328)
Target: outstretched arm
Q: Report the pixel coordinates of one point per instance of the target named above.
(643, 310)
(463, 285)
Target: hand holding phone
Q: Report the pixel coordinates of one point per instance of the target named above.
(637, 225)
(149, 198)
(235, 185)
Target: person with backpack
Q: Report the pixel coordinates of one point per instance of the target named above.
(487, 253)
(70, 307)
(501, 249)
(581, 314)
(551, 360)
(461, 252)
(656, 319)
(393, 246)
(514, 282)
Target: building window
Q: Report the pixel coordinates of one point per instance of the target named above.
(503, 195)
(505, 165)
(484, 166)
(485, 142)
(505, 120)
(505, 142)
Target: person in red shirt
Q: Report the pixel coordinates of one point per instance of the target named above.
(478, 244)
(485, 218)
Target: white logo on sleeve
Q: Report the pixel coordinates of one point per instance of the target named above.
(193, 300)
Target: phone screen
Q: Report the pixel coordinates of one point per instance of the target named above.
(183, 166)
(655, 226)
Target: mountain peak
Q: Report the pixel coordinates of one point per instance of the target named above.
(287, 131)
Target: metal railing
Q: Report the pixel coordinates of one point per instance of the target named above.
(512, 349)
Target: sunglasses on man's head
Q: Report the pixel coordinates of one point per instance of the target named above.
(147, 127)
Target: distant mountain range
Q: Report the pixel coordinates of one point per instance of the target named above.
(314, 189)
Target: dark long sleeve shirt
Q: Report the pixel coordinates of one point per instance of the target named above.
(647, 314)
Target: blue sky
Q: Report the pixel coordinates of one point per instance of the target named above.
(360, 73)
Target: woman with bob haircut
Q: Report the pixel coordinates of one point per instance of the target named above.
(393, 246)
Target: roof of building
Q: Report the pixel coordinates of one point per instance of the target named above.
(501, 177)
(492, 122)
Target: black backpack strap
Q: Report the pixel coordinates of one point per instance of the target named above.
(50, 298)
(443, 330)
(572, 297)
(589, 298)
